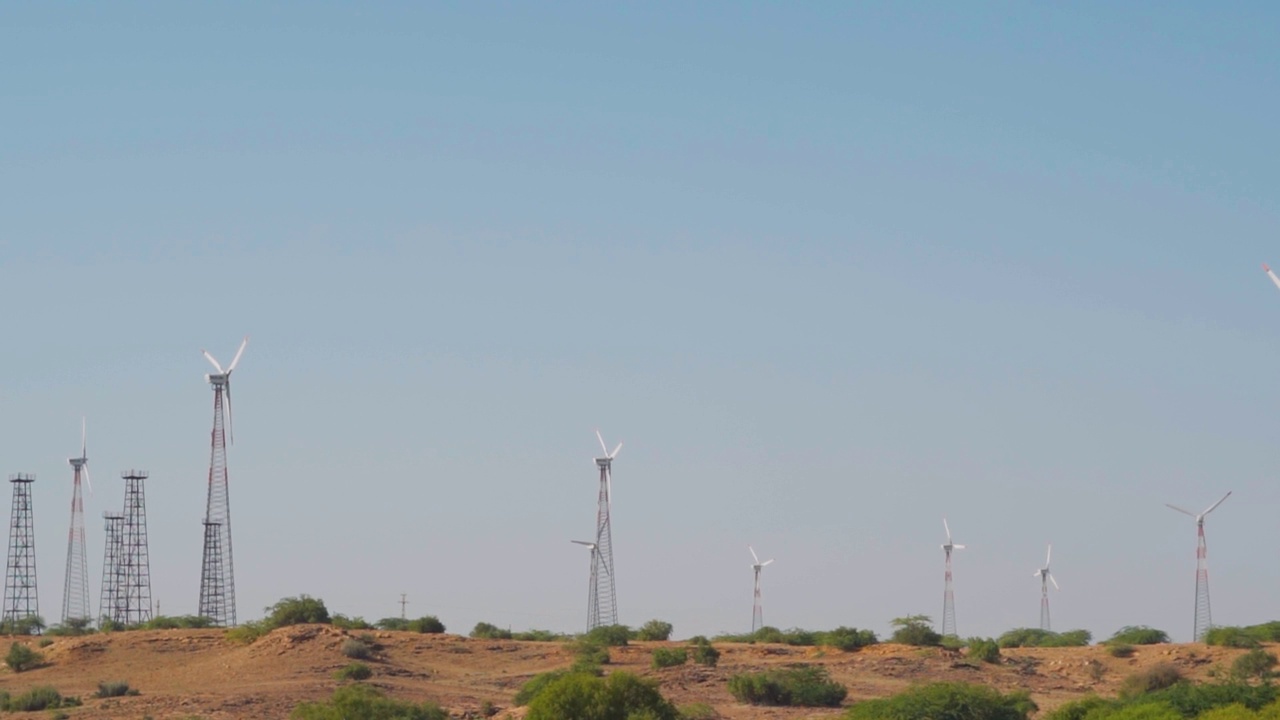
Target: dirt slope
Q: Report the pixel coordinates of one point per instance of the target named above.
(197, 673)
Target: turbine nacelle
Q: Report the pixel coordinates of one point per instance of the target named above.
(221, 382)
(1044, 573)
(81, 464)
(757, 564)
(606, 465)
(949, 546)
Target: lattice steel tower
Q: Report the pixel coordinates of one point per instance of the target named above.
(75, 590)
(212, 573)
(110, 604)
(21, 601)
(134, 563)
(948, 595)
(604, 598)
(1203, 617)
(218, 599)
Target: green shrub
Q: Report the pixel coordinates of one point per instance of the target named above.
(366, 703)
(703, 653)
(45, 642)
(71, 628)
(946, 701)
(114, 689)
(35, 699)
(952, 642)
(357, 649)
(299, 610)
(484, 630)
(609, 635)
(698, 711)
(847, 638)
(588, 656)
(22, 658)
(1256, 663)
(1120, 650)
(1235, 637)
(535, 685)
(1035, 637)
(984, 649)
(1138, 635)
(1080, 709)
(354, 671)
(1157, 677)
(539, 636)
(621, 696)
(654, 630)
(805, 686)
(343, 622)
(669, 657)
(915, 630)
(29, 625)
(429, 624)
(179, 622)
(248, 632)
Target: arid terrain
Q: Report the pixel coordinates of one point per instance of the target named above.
(200, 674)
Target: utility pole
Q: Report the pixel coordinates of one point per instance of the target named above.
(403, 602)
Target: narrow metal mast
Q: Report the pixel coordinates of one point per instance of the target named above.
(109, 605)
(75, 590)
(21, 600)
(757, 607)
(218, 599)
(593, 587)
(134, 563)
(602, 569)
(948, 594)
(1203, 615)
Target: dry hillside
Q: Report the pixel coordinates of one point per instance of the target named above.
(199, 674)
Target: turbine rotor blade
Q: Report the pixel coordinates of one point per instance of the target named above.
(603, 447)
(957, 547)
(1055, 582)
(87, 481)
(948, 529)
(210, 359)
(583, 542)
(614, 454)
(236, 360)
(231, 420)
(753, 554)
(1048, 555)
(84, 443)
(766, 562)
(1175, 507)
(1215, 505)
(1271, 275)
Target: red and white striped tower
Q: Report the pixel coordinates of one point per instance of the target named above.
(948, 595)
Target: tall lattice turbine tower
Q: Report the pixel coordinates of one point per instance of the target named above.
(593, 587)
(218, 599)
(1046, 577)
(21, 598)
(757, 609)
(605, 591)
(948, 595)
(1203, 618)
(75, 591)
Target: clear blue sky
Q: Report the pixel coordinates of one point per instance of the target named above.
(831, 272)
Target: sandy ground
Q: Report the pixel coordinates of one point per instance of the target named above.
(186, 674)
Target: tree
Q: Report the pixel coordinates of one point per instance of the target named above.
(621, 696)
(915, 630)
(654, 630)
(297, 611)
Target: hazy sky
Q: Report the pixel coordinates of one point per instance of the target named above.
(831, 272)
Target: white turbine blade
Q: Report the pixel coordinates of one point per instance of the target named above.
(603, 447)
(1271, 275)
(957, 547)
(766, 562)
(583, 542)
(608, 485)
(948, 529)
(1055, 582)
(753, 554)
(84, 443)
(87, 482)
(1038, 572)
(236, 360)
(1175, 507)
(215, 362)
(1048, 555)
(231, 421)
(1215, 505)
(614, 454)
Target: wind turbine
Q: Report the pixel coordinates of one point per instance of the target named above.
(1203, 618)
(757, 611)
(604, 589)
(948, 597)
(1271, 275)
(593, 595)
(218, 594)
(75, 590)
(1046, 577)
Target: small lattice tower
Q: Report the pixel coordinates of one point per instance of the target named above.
(1045, 624)
(948, 599)
(218, 599)
(21, 600)
(134, 590)
(110, 606)
(1203, 616)
(604, 598)
(211, 573)
(75, 589)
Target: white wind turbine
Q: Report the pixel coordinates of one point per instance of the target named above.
(217, 568)
(757, 610)
(1046, 577)
(1203, 617)
(948, 596)
(222, 380)
(593, 595)
(604, 589)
